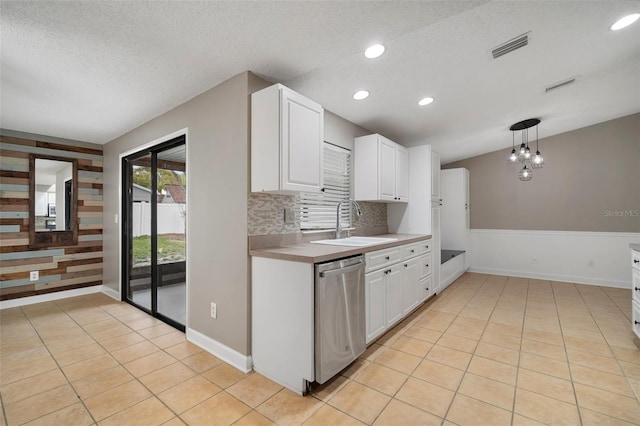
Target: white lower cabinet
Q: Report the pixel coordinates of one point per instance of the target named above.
(395, 278)
(409, 285)
(375, 291)
(635, 287)
(395, 285)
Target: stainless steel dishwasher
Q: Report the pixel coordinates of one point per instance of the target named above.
(339, 315)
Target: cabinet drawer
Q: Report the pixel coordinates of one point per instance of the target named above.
(635, 284)
(424, 247)
(381, 258)
(410, 250)
(635, 260)
(425, 265)
(635, 318)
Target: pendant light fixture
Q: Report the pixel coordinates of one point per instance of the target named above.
(523, 155)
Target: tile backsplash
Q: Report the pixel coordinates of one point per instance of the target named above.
(266, 214)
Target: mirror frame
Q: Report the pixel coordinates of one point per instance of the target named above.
(52, 238)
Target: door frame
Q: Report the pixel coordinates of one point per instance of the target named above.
(121, 223)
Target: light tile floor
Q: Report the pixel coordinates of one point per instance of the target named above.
(488, 351)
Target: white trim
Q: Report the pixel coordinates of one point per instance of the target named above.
(182, 132)
(111, 292)
(627, 235)
(225, 353)
(583, 257)
(552, 277)
(48, 297)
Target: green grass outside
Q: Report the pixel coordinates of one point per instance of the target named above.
(168, 248)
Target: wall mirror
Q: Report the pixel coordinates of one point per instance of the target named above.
(53, 201)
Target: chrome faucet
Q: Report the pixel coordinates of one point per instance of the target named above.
(338, 225)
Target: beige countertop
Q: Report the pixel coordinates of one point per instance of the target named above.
(318, 253)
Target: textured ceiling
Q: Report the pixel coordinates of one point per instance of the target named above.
(92, 71)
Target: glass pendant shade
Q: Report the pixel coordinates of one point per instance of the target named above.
(527, 153)
(522, 149)
(513, 157)
(525, 174)
(537, 162)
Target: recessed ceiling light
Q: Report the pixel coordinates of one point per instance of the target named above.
(374, 51)
(425, 101)
(360, 95)
(625, 22)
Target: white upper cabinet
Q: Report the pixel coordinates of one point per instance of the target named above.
(287, 133)
(435, 176)
(381, 170)
(402, 173)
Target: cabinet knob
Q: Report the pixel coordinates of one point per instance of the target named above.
(426, 288)
(323, 189)
(406, 266)
(636, 261)
(387, 257)
(636, 322)
(412, 251)
(387, 271)
(427, 265)
(636, 288)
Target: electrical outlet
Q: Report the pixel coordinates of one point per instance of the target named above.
(34, 275)
(289, 217)
(214, 310)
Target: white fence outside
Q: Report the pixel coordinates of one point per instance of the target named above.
(171, 219)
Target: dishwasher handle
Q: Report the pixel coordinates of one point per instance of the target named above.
(340, 271)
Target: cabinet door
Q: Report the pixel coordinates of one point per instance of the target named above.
(410, 285)
(386, 169)
(375, 300)
(424, 289)
(302, 133)
(435, 176)
(394, 276)
(402, 173)
(435, 251)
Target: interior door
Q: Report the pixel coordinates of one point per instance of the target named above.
(154, 231)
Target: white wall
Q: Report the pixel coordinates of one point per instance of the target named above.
(61, 177)
(600, 258)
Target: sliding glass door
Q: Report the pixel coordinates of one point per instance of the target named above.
(154, 231)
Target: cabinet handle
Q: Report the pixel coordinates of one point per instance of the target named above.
(412, 251)
(427, 265)
(426, 288)
(387, 272)
(636, 322)
(406, 266)
(387, 257)
(636, 261)
(323, 189)
(636, 288)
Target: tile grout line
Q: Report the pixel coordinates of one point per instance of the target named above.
(58, 366)
(119, 364)
(614, 357)
(566, 353)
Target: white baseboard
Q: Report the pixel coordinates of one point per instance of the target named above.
(594, 258)
(552, 277)
(48, 297)
(225, 353)
(111, 292)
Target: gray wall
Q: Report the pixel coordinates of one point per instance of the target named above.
(218, 170)
(589, 183)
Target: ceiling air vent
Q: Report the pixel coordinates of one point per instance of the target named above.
(560, 84)
(511, 45)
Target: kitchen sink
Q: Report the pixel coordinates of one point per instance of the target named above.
(356, 241)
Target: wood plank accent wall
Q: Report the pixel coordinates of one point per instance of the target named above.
(61, 268)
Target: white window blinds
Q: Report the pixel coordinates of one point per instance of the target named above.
(318, 210)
